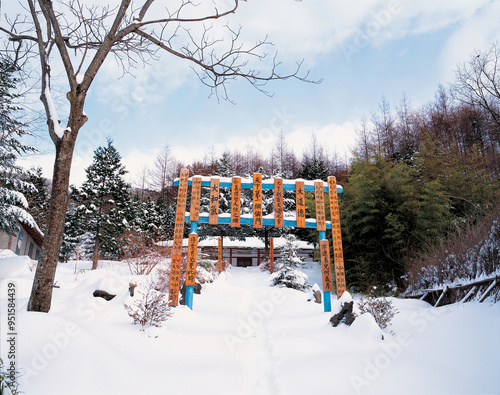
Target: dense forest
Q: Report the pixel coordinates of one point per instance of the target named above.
(416, 177)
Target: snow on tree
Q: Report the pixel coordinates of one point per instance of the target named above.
(103, 202)
(13, 186)
(288, 274)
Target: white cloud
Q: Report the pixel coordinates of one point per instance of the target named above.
(475, 33)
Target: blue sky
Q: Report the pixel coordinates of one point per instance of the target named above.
(362, 51)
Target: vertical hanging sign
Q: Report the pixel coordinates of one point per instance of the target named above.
(175, 270)
(337, 237)
(271, 254)
(278, 202)
(300, 204)
(191, 260)
(194, 212)
(325, 265)
(235, 202)
(220, 254)
(320, 206)
(257, 200)
(213, 215)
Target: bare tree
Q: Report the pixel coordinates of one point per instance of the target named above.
(164, 171)
(478, 82)
(80, 37)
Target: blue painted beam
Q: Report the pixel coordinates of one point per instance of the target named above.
(265, 185)
(226, 220)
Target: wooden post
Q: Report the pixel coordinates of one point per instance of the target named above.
(278, 203)
(220, 254)
(214, 202)
(191, 269)
(271, 254)
(300, 204)
(235, 202)
(194, 212)
(175, 270)
(257, 200)
(337, 237)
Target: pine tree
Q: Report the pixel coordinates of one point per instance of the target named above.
(288, 274)
(104, 202)
(13, 187)
(38, 201)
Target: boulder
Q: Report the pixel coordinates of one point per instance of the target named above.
(197, 291)
(99, 293)
(345, 315)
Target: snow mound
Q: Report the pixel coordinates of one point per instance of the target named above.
(337, 305)
(365, 327)
(12, 266)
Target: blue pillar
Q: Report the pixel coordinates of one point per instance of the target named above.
(190, 289)
(327, 299)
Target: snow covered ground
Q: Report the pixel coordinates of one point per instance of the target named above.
(242, 337)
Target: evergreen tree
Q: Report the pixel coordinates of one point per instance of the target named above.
(38, 201)
(13, 187)
(314, 168)
(104, 202)
(288, 274)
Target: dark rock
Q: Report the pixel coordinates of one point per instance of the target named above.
(345, 315)
(103, 294)
(197, 291)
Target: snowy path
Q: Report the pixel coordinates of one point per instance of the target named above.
(246, 337)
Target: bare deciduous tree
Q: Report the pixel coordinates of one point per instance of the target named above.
(80, 36)
(478, 82)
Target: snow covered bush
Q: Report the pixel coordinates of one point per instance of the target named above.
(466, 256)
(287, 267)
(150, 308)
(380, 308)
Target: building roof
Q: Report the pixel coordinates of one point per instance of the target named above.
(249, 242)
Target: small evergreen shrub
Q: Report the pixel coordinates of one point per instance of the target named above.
(380, 308)
(288, 274)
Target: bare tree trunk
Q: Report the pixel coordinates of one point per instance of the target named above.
(41, 292)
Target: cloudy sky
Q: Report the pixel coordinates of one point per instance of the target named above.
(362, 51)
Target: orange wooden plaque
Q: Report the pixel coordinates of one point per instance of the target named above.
(324, 247)
(175, 274)
(220, 266)
(191, 260)
(213, 215)
(338, 253)
(194, 212)
(257, 200)
(278, 202)
(271, 254)
(235, 202)
(320, 206)
(180, 213)
(300, 204)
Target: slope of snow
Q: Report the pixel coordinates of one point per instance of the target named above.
(242, 337)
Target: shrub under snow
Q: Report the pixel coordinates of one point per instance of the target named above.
(288, 274)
